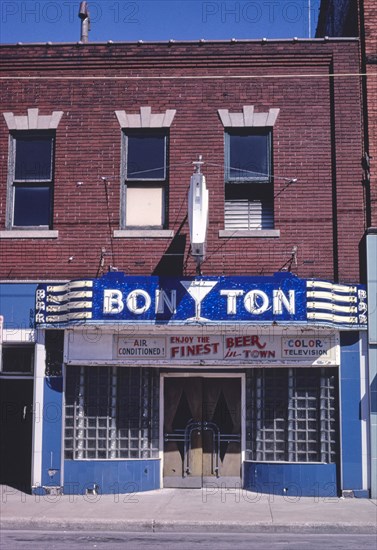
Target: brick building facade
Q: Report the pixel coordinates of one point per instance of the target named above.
(312, 142)
(118, 127)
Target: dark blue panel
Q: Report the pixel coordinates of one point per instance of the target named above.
(363, 493)
(52, 432)
(351, 451)
(350, 400)
(353, 443)
(351, 475)
(291, 480)
(351, 366)
(111, 476)
(17, 304)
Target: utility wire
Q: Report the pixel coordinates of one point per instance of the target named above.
(228, 168)
(253, 172)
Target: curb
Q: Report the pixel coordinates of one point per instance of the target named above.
(157, 526)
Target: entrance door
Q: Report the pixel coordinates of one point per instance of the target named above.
(16, 398)
(202, 432)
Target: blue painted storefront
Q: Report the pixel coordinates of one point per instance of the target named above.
(81, 476)
(52, 431)
(350, 416)
(111, 476)
(17, 305)
(322, 480)
(292, 480)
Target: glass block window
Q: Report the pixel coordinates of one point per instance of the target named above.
(111, 413)
(292, 415)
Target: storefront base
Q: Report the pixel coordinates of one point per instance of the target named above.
(291, 480)
(110, 477)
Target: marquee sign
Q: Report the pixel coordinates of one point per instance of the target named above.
(282, 298)
(251, 348)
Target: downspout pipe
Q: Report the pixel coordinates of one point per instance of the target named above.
(85, 22)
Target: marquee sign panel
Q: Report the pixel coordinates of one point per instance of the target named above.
(282, 298)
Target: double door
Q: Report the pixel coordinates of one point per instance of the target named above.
(202, 431)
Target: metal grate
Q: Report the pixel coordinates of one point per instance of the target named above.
(248, 214)
(111, 413)
(292, 415)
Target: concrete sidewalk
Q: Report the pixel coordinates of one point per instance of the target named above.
(209, 509)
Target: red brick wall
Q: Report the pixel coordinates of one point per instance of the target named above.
(370, 21)
(317, 139)
(372, 130)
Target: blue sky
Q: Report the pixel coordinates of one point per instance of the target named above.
(119, 20)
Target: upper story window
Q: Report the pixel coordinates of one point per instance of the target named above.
(249, 192)
(144, 191)
(145, 178)
(249, 156)
(31, 169)
(32, 179)
(248, 181)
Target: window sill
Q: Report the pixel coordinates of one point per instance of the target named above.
(264, 233)
(29, 234)
(143, 233)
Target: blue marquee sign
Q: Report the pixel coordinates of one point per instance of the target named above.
(282, 298)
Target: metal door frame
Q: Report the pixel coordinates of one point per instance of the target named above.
(199, 374)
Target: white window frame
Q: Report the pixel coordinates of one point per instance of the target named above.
(31, 122)
(246, 177)
(246, 211)
(145, 119)
(144, 182)
(13, 183)
(248, 121)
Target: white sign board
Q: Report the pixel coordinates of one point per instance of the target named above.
(315, 350)
(142, 347)
(179, 349)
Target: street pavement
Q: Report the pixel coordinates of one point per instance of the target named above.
(182, 510)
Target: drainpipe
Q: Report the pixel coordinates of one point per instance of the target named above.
(85, 22)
